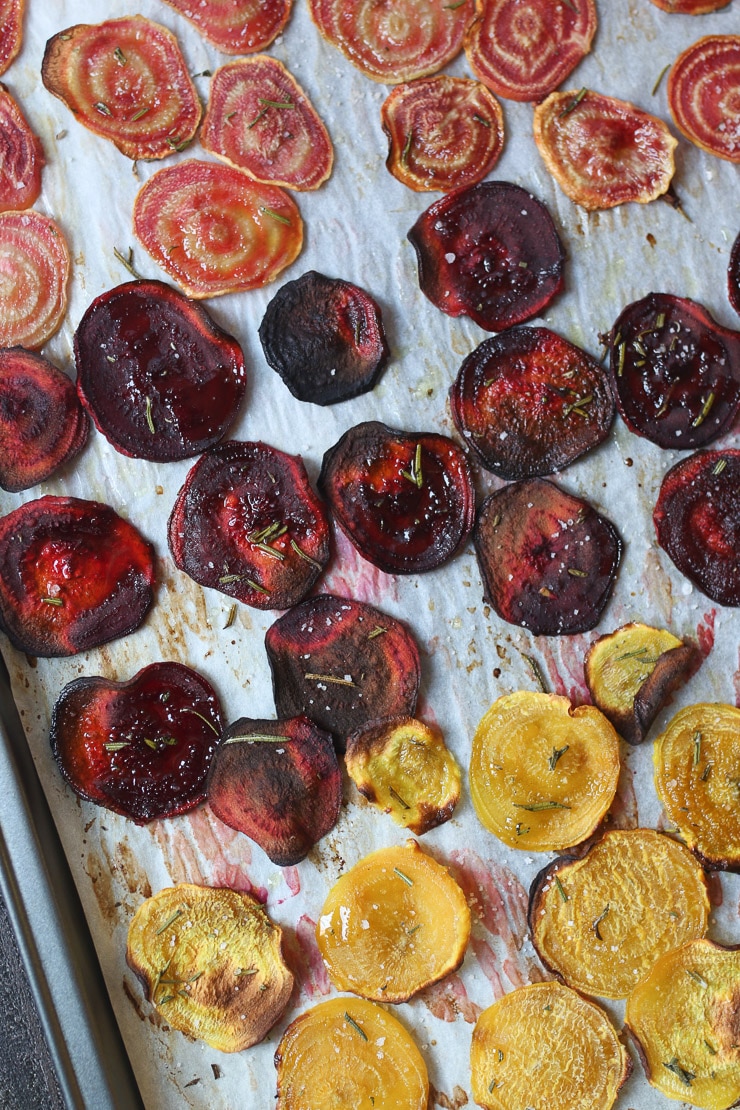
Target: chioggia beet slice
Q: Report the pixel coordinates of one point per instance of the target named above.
(73, 575)
(141, 748)
(548, 560)
(733, 276)
(11, 30)
(236, 26)
(690, 7)
(35, 264)
(704, 95)
(279, 783)
(21, 157)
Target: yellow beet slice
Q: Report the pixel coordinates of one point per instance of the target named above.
(211, 963)
(404, 768)
(546, 1045)
(543, 774)
(349, 1053)
(685, 1018)
(697, 777)
(393, 924)
(602, 921)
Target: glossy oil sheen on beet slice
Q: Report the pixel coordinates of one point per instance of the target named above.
(73, 575)
(279, 782)
(325, 338)
(490, 252)
(548, 559)
(528, 403)
(21, 157)
(247, 523)
(11, 30)
(161, 380)
(342, 663)
(404, 499)
(141, 748)
(236, 26)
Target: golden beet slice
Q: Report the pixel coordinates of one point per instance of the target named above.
(210, 962)
(602, 921)
(347, 1032)
(630, 674)
(404, 768)
(393, 924)
(35, 267)
(704, 95)
(685, 1019)
(697, 777)
(546, 1045)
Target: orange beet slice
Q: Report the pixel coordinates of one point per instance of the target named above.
(704, 95)
(690, 7)
(733, 276)
(11, 30)
(523, 49)
(214, 230)
(236, 26)
(260, 120)
(21, 157)
(34, 270)
(443, 133)
(602, 151)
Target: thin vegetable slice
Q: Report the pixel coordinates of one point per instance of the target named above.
(443, 133)
(490, 252)
(34, 273)
(210, 961)
(11, 30)
(21, 157)
(42, 424)
(236, 26)
(733, 276)
(704, 95)
(523, 51)
(141, 748)
(602, 151)
(394, 923)
(690, 7)
(214, 230)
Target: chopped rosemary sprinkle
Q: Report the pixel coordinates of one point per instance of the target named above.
(660, 77)
(150, 743)
(454, 7)
(303, 555)
(275, 215)
(149, 418)
(230, 617)
(355, 1026)
(637, 346)
(538, 807)
(276, 103)
(556, 755)
(260, 115)
(256, 738)
(398, 798)
(120, 57)
(574, 102)
(599, 919)
(127, 263)
(697, 748)
(377, 631)
(481, 119)
(535, 669)
(414, 474)
(521, 829)
(56, 601)
(229, 116)
(571, 5)
(710, 1047)
(407, 148)
(686, 1077)
(622, 348)
(697, 978)
(115, 745)
(575, 573)
(102, 108)
(256, 586)
(561, 889)
(212, 727)
(246, 971)
(719, 467)
(178, 144)
(310, 677)
(170, 921)
(704, 411)
(660, 320)
(406, 879)
(707, 770)
(270, 532)
(227, 579)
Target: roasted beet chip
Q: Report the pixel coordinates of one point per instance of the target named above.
(279, 782)
(490, 252)
(676, 371)
(697, 521)
(703, 94)
(141, 748)
(247, 523)
(35, 264)
(11, 30)
(22, 156)
(325, 338)
(404, 499)
(548, 559)
(342, 663)
(528, 403)
(236, 26)
(73, 575)
(733, 276)
(161, 380)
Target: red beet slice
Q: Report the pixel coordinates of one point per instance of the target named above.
(42, 423)
(528, 403)
(548, 559)
(21, 157)
(404, 499)
(490, 252)
(247, 523)
(325, 338)
(141, 748)
(278, 782)
(11, 30)
(676, 372)
(73, 575)
(697, 521)
(342, 663)
(161, 380)
(733, 276)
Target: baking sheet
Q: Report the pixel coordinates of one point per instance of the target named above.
(355, 229)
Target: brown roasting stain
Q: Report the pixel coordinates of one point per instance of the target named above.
(182, 607)
(657, 586)
(178, 855)
(448, 1102)
(624, 813)
(126, 866)
(135, 1001)
(102, 881)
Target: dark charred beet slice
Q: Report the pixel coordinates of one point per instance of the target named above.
(676, 372)
(697, 521)
(404, 499)
(247, 523)
(279, 782)
(548, 559)
(325, 338)
(161, 380)
(490, 252)
(42, 423)
(141, 748)
(73, 575)
(342, 663)
(733, 276)
(528, 403)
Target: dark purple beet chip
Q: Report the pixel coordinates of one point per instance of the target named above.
(141, 748)
(733, 276)
(675, 371)
(160, 379)
(325, 339)
(490, 252)
(529, 402)
(342, 663)
(548, 559)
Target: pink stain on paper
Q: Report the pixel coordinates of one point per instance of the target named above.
(304, 959)
(352, 576)
(449, 1000)
(565, 671)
